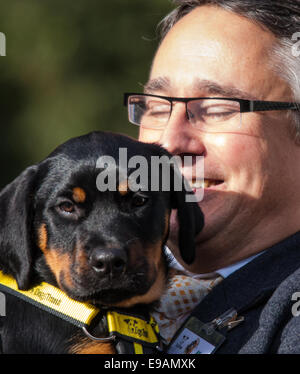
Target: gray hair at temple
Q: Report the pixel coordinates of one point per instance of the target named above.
(282, 18)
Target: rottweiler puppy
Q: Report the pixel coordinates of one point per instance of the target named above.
(101, 247)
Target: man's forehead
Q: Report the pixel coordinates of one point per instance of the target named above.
(214, 21)
(239, 65)
(208, 31)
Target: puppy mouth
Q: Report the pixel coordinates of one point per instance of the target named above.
(111, 296)
(107, 291)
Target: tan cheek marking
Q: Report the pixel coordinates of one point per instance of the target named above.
(79, 195)
(159, 285)
(42, 237)
(58, 263)
(123, 187)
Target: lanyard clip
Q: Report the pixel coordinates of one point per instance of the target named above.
(224, 319)
(228, 319)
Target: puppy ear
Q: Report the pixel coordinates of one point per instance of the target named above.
(189, 215)
(16, 242)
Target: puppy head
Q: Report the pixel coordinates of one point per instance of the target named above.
(102, 247)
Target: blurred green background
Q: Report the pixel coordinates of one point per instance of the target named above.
(67, 65)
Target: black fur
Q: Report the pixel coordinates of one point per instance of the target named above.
(104, 220)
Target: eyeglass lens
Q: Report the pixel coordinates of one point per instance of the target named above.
(211, 115)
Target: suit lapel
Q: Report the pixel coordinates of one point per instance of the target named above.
(254, 283)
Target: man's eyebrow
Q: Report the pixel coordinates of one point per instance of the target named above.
(213, 88)
(208, 87)
(161, 84)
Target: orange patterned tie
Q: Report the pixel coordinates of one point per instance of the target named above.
(183, 294)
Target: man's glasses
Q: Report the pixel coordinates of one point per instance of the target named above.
(209, 114)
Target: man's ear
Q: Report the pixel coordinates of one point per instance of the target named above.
(16, 218)
(190, 217)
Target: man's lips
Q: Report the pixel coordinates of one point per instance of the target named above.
(193, 171)
(205, 183)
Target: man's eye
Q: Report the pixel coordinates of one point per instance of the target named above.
(67, 207)
(215, 110)
(219, 111)
(155, 108)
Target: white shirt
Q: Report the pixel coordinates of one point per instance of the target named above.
(224, 272)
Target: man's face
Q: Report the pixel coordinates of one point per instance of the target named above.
(211, 52)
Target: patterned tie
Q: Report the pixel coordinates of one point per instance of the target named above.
(183, 294)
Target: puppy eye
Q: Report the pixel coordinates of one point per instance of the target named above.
(139, 200)
(67, 207)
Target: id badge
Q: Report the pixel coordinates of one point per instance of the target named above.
(196, 337)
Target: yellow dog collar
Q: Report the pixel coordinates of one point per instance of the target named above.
(132, 328)
(52, 300)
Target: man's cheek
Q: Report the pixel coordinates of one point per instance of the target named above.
(236, 149)
(149, 136)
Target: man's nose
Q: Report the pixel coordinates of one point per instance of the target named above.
(179, 136)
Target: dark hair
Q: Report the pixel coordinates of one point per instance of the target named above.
(282, 18)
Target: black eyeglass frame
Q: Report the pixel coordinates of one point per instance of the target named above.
(246, 106)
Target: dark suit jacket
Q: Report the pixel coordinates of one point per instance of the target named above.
(262, 293)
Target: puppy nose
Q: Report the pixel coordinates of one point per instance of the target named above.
(108, 261)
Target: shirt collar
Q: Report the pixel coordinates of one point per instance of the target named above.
(224, 272)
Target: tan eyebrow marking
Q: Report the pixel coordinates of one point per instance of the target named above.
(123, 187)
(79, 195)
